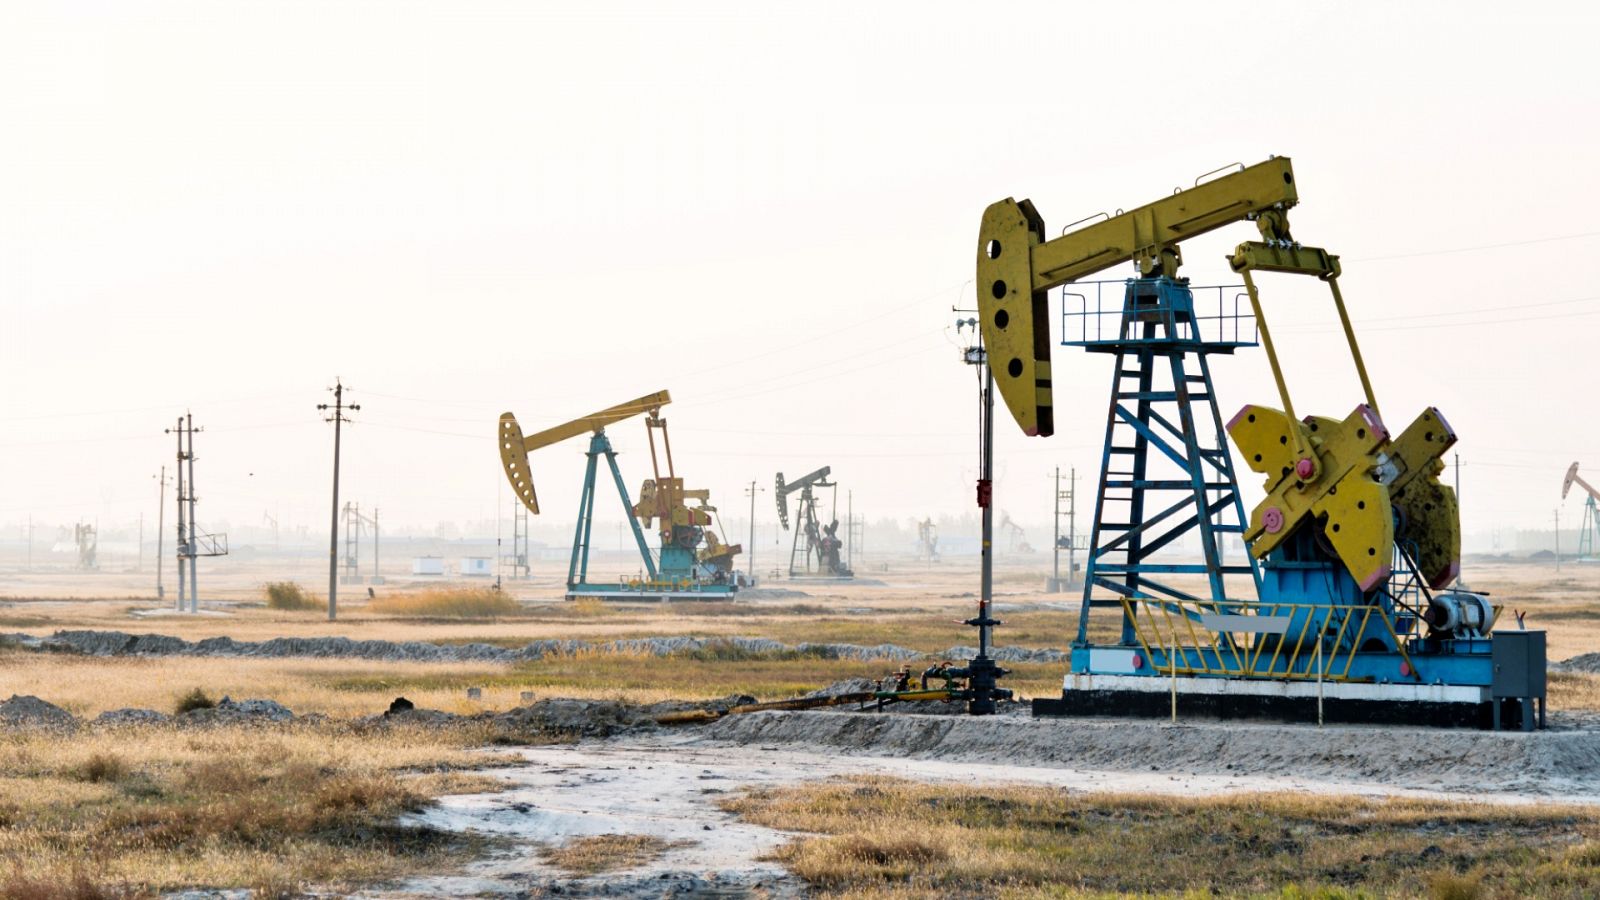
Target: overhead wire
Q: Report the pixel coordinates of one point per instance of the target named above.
(1472, 249)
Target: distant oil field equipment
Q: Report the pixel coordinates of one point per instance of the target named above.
(820, 556)
(692, 562)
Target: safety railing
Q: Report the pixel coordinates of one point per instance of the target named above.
(1257, 639)
(1095, 312)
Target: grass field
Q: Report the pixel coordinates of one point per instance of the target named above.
(317, 805)
(881, 837)
(144, 809)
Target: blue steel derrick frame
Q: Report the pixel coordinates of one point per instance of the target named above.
(1170, 479)
(578, 569)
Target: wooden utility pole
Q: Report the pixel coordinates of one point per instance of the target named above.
(750, 554)
(338, 420)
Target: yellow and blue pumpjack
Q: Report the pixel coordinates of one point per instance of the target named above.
(1352, 553)
(693, 563)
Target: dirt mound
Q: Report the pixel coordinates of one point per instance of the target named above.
(26, 710)
(132, 717)
(118, 643)
(1587, 663)
(1548, 762)
(589, 718)
(238, 712)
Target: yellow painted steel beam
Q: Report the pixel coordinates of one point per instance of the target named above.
(649, 403)
(514, 447)
(1016, 265)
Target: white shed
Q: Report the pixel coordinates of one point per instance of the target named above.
(477, 565)
(427, 565)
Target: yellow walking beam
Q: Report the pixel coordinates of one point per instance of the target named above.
(1017, 265)
(514, 448)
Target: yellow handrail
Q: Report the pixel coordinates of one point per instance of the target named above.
(1157, 629)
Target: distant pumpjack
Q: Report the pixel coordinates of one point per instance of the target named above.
(822, 557)
(928, 537)
(1591, 513)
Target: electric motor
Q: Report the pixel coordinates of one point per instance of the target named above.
(1459, 614)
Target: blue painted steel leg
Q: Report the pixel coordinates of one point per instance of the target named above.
(1147, 501)
(578, 569)
(627, 510)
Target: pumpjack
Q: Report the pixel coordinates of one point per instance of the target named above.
(1591, 513)
(821, 557)
(693, 563)
(928, 539)
(1018, 538)
(1342, 606)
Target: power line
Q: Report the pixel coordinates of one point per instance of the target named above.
(1362, 324)
(1477, 247)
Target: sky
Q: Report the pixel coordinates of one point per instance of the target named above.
(768, 209)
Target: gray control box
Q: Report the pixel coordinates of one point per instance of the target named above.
(1519, 664)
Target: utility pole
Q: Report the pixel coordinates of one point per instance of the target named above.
(1558, 539)
(194, 549)
(161, 531)
(1058, 584)
(750, 558)
(183, 539)
(1055, 552)
(190, 544)
(1072, 526)
(378, 579)
(850, 533)
(337, 419)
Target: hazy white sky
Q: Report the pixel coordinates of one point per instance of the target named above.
(769, 209)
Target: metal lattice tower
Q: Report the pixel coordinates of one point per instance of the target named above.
(1166, 471)
(351, 560)
(192, 542)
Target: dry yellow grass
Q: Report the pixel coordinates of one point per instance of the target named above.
(891, 838)
(146, 809)
(290, 597)
(605, 853)
(447, 603)
(89, 685)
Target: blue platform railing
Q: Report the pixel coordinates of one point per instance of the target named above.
(1096, 312)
